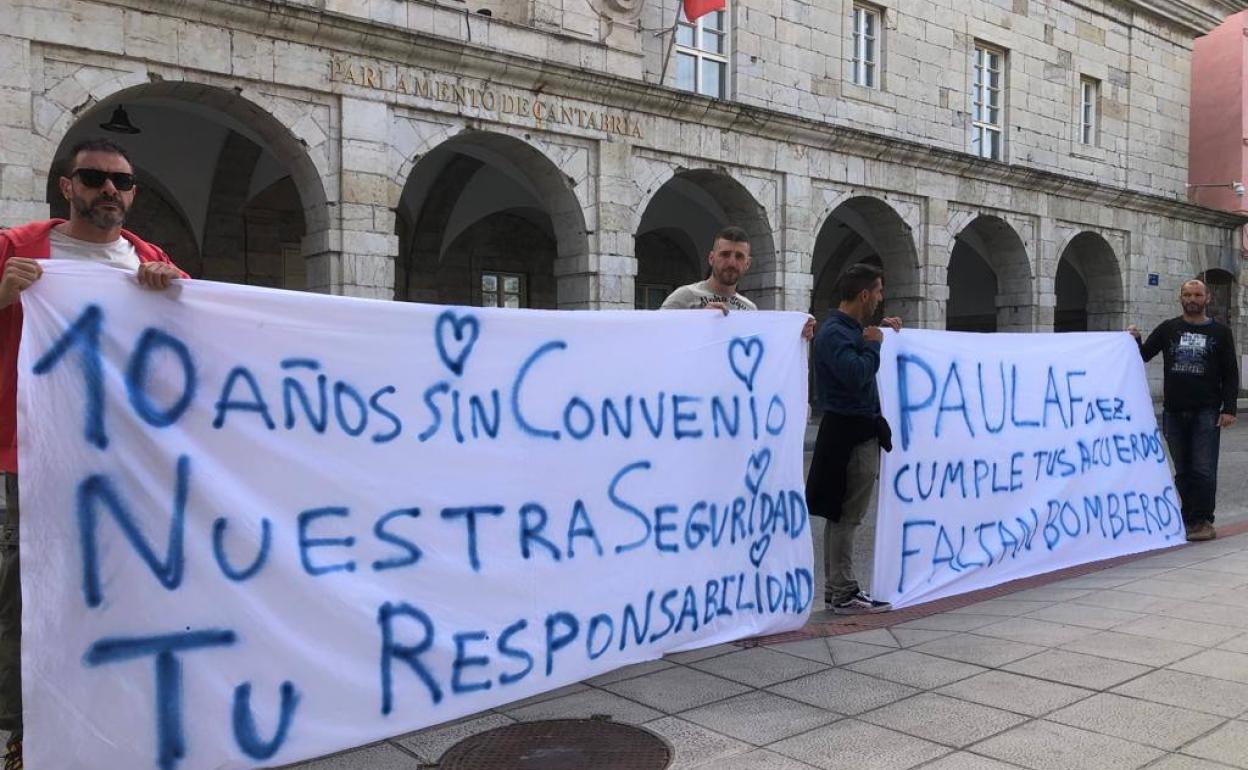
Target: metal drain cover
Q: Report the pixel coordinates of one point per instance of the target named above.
(560, 744)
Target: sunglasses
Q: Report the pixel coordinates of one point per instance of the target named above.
(94, 178)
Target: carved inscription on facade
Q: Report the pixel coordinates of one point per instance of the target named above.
(545, 109)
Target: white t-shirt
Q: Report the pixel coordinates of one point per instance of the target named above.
(119, 253)
(699, 295)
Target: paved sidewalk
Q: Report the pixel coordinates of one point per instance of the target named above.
(1142, 664)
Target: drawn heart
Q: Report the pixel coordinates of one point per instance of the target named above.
(455, 337)
(756, 468)
(759, 549)
(744, 356)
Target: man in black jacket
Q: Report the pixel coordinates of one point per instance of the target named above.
(846, 461)
(1200, 385)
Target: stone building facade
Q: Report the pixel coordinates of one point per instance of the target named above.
(556, 153)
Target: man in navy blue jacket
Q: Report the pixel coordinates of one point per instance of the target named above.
(846, 462)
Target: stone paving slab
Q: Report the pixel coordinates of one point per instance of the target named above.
(845, 651)
(1219, 664)
(1190, 691)
(1179, 630)
(759, 666)
(760, 718)
(1012, 692)
(676, 689)
(950, 621)
(916, 669)
(696, 745)
(853, 745)
(1180, 762)
(1133, 649)
(844, 692)
(1032, 631)
(942, 719)
(1238, 644)
(818, 650)
(1043, 745)
(981, 650)
(1077, 669)
(1118, 599)
(1101, 618)
(1139, 721)
(761, 759)
(1226, 745)
(964, 760)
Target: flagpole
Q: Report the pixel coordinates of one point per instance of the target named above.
(671, 44)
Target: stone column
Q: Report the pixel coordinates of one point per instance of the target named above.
(1045, 264)
(795, 244)
(584, 269)
(365, 240)
(618, 199)
(21, 198)
(935, 249)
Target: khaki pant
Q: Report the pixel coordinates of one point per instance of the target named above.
(838, 536)
(10, 614)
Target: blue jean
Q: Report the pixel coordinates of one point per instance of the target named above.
(1193, 437)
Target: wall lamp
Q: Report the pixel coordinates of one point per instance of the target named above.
(1237, 187)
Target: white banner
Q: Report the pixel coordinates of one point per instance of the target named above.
(262, 526)
(1013, 455)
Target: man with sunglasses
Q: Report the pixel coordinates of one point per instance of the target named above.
(99, 185)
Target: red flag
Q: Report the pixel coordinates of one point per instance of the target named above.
(698, 8)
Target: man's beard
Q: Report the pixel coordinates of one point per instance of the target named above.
(875, 315)
(726, 276)
(98, 215)
(1193, 308)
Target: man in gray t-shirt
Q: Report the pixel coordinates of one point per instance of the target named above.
(701, 294)
(729, 259)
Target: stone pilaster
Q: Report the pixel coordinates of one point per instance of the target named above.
(365, 265)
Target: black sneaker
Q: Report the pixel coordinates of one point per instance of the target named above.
(1201, 531)
(860, 604)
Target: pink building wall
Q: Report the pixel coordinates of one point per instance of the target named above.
(1218, 130)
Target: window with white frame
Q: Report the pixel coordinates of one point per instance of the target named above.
(987, 128)
(864, 53)
(502, 290)
(1089, 110)
(702, 54)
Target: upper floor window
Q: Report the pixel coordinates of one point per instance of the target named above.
(864, 57)
(986, 95)
(702, 54)
(1089, 108)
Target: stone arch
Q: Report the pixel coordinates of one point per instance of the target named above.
(1224, 293)
(297, 138)
(990, 277)
(667, 257)
(699, 201)
(863, 228)
(1088, 285)
(476, 181)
